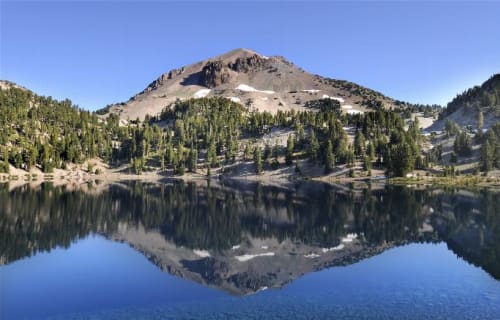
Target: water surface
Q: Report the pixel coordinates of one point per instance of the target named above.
(173, 251)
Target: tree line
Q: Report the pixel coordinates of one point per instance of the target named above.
(202, 133)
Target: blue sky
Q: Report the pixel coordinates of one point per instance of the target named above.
(96, 53)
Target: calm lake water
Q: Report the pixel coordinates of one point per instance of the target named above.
(181, 251)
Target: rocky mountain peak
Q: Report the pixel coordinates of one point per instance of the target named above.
(247, 64)
(217, 72)
(270, 83)
(214, 73)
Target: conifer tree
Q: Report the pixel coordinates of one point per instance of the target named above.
(257, 158)
(289, 150)
(329, 158)
(313, 149)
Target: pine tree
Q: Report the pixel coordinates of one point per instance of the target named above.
(257, 158)
(276, 151)
(313, 147)
(359, 144)
(400, 160)
(193, 159)
(463, 144)
(329, 157)
(487, 156)
(480, 121)
(267, 151)
(247, 153)
(370, 151)
(47, 165)
(367, 164)
(289, 150)
(212, 154)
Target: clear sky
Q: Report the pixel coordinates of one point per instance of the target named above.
(96, 53)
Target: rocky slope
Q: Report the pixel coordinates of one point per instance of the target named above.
(256, 81)
(4, 84)
(465, 107)
(248, 267)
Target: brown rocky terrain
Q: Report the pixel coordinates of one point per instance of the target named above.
(256, 81)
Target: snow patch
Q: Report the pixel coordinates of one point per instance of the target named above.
(339, 247)
(349, 237)
(202, 253)
(311, 255)
(354, 112)
(234, 99)
(264, 247)
(339, 99)
(247, 257)
(311, 90)
(202, 93)
(347, 106)
(247, 88)
(236, 247)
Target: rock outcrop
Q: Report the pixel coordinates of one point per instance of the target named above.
(247, 64)
(214, 74)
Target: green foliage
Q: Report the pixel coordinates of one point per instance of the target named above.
(400, 160)
(267, 151)
(42, 131)
(313, 149)
(257, 158)
(54, 133)
(449, 171)
(367, 164)
(480, 120)
(329, 158)
(490, 149)
(193, 160)
(4, 166)
(275, 164)
(138, 165)
(247, 153)
(359, 144)
(290, 146)
(463, 145)
(477, 98)
(453, 157)
(324, 105)
(451, 128)
(370, 151)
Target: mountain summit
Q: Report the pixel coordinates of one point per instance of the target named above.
(259, 82)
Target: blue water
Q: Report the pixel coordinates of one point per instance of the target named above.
(96, 278)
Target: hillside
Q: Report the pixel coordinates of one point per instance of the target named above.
(256, 81)
(206, 135)
(38, 131)
(464, 109)
(336, 131)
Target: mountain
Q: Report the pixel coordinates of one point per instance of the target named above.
(205, 135)
(253, 265)
(465, 107)
(259, 82)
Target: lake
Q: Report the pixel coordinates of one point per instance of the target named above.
(246, 251)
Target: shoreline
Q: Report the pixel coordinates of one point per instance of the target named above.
(276, 177)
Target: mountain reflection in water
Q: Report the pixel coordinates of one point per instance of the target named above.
(245, 238)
